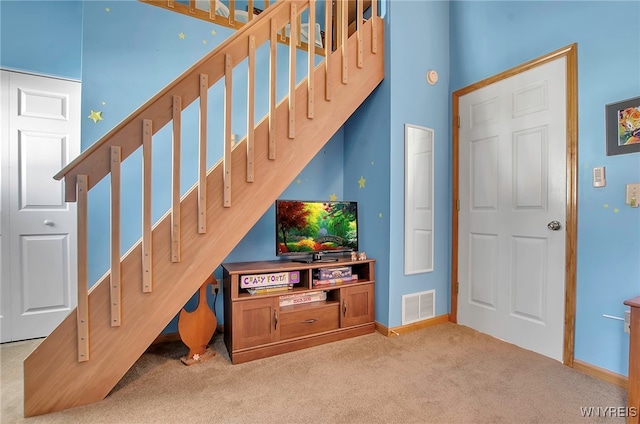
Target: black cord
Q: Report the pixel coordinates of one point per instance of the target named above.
(215, 290)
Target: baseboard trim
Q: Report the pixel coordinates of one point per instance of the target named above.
(600, 373)
(404, 329)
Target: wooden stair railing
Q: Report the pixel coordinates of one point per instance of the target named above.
(194, 8)
(118, 318)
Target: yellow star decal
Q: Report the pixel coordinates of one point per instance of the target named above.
(107, 9)
(298, 181)
(204, 41)
(380, 215)
(213, 32)
(616, 210)
(361, 182)
(104, 103)
(372, 163)
(96, 116)
(333, 197)
(606, 205)
(181, 35)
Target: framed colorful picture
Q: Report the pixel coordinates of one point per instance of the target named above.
(623, 126)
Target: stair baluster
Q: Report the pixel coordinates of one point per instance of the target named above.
(114, 284)
(359, 17)
(82, 310)
(202, 154)
(293, 41)
(175, 179)
(273, 40)
(251, 107)
(328, 48)
(343, 26)
(228, 94)
(232, 12)
(374, 27)
(147, 243)
(311, 48)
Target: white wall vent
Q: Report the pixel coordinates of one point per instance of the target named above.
(418, 306)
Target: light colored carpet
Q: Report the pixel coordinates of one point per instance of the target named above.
(442, 374)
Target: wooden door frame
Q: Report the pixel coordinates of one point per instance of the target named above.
(571, 223)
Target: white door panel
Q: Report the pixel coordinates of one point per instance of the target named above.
(40, 156)
(43, 136)
(512, 168)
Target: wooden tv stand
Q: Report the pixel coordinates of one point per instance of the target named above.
(256, 326)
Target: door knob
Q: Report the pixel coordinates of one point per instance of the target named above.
(554, 226)
(49, 223)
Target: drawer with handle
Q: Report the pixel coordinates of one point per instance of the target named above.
(297, 323)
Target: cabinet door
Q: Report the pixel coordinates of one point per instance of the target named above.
(356, 305)
(255, 322)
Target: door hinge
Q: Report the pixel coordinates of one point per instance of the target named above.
(456, 289)
(458, 204)
(458, 121)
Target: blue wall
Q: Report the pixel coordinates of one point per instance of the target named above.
(419, 44)
(53, 42)
(374, 149)
(489, 37)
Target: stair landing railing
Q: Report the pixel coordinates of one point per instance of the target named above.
(196, 9)
(137, 130)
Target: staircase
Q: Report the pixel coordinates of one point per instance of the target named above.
(115, 321)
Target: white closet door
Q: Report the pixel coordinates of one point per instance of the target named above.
(41, 134)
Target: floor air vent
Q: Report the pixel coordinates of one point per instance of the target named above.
(418, 306)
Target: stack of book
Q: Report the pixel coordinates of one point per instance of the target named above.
(300, 298)
(333, 276)
(269, 283)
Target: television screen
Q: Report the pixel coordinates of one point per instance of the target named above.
(308, 227)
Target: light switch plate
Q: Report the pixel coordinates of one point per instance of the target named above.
(633, 192)
(627, 322)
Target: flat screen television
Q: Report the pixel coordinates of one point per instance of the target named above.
(307, 230)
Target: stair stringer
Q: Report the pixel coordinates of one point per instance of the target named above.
(54, 379)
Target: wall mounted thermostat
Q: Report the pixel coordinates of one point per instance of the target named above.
(599, 179)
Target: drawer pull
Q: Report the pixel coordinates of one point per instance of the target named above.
(275, 319)
(309, 321)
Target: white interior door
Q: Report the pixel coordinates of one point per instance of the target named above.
(513, 189)
(41, 134)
